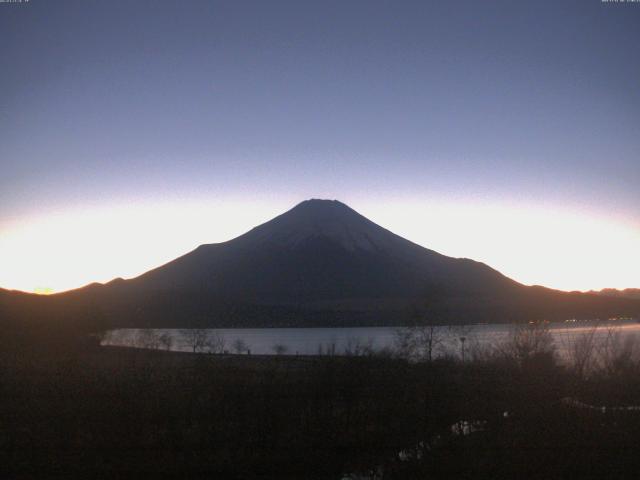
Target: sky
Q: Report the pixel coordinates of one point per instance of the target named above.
(132, 132)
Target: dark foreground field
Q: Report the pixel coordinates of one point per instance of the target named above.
(95, 412)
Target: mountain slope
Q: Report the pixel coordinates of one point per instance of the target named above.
(318, 251)
(626, 293)
(319, 264)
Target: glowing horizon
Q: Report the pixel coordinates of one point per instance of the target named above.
(535, 246)
(508, 133)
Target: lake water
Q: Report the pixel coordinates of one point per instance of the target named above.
(340, 341)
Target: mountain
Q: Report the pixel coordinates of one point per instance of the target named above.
(321, 264)
(626, 293)
(320, 251)
(44, 322)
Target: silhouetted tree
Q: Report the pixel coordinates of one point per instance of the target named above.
(148, 338)
(279, 349)
(240, 346)
(195, 338)
(419, 342)
(529, 344)
(166, 340)
(214, 343)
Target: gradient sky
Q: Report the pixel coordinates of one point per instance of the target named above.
(507, 132)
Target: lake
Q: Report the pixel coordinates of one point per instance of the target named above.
(340, 341)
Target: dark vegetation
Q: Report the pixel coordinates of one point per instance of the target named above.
(115, 305)
(71, 409)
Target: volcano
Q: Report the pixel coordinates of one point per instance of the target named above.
(320, 251)
(323, 264)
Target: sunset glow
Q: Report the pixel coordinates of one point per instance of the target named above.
(508, 135)
(554, 248)
(319, 239)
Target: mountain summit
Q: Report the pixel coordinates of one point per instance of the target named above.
(328, 219)
(320, 264)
